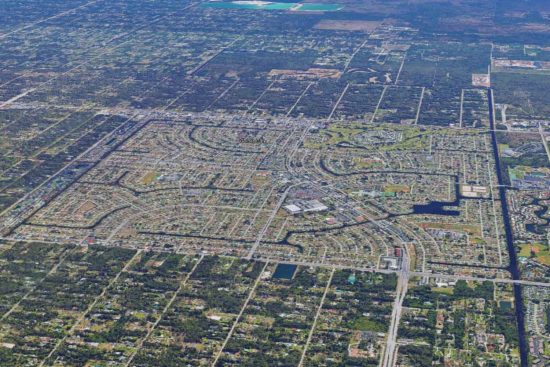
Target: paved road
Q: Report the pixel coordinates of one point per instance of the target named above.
(402, 286)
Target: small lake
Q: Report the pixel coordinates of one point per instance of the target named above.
(436, 208)
(284, 271)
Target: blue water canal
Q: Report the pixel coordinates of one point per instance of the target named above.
(513, 267)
